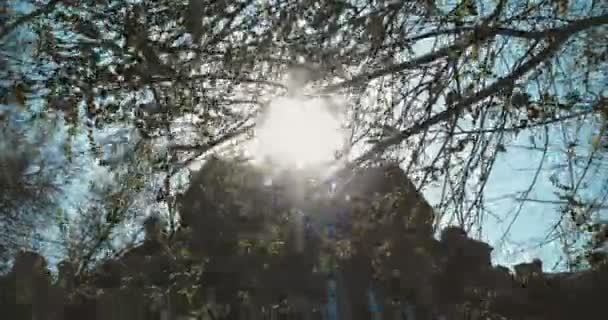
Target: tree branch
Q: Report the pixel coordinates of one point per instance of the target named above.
(28, 17)
(201, 149)
(559, 38)
(528, 126)
(555, 202)
(479, 34)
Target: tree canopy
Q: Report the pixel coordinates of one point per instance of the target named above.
(138, 92)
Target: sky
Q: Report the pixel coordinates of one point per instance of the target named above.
(512, 175)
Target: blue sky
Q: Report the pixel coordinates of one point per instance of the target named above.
(514, 173)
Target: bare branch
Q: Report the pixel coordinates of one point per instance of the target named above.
(554, 46)
(49, 7)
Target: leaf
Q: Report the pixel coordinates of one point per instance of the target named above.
(571, 152)
(573, 97)
(390, 130)
(20, 95)
(184, 252)
(465, 9)
(453, 54)
(470, 7)
(431, 8)
(287, 28)
(475, 51)
(88, 29)
(520, 99)
(562, 6)
(375, 28)
(451, 97)
(596, 142)
(372, 141)
(533, 113)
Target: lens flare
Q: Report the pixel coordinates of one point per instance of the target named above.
(297, 132)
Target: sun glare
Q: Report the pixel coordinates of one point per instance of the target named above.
(296, 132)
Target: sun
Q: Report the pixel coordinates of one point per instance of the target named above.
(301, 133)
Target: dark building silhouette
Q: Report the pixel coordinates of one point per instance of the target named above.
(248, 249)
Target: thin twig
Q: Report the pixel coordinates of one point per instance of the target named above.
(48, 8)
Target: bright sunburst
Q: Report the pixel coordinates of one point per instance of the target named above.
(298, 132)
